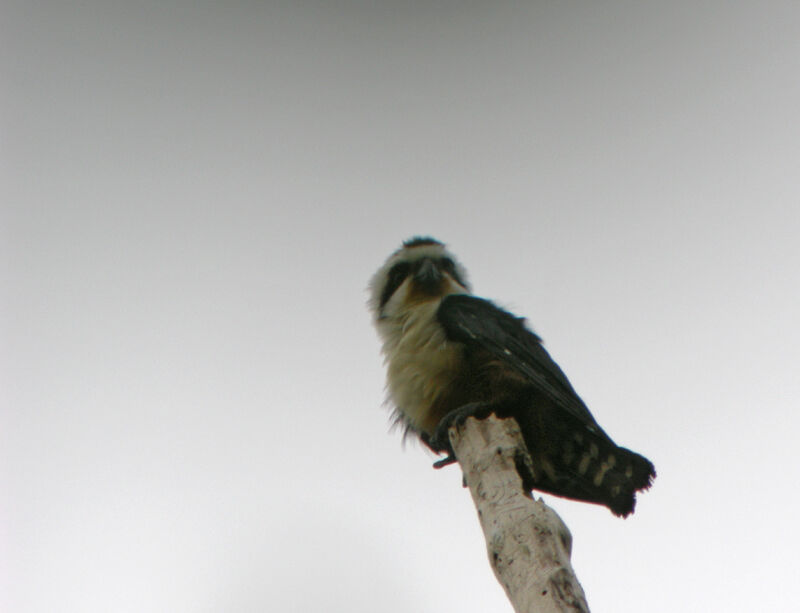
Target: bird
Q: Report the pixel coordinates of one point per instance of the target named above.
(450, 355)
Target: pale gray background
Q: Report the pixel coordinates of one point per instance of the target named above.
(194, 196)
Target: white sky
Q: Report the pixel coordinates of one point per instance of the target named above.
(194, 197)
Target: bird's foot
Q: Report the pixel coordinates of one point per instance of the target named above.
(450, 459)
(440, 441)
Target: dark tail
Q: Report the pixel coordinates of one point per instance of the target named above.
(579, 461)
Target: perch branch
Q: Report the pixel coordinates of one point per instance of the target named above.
(529, 545)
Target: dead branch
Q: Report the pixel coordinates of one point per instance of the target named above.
(529, 546)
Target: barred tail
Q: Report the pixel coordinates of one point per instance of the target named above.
(579, 461)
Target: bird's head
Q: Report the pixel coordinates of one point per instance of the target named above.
(420, 271)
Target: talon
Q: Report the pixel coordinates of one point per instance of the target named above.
(440, 441)
(441, 437)
(450, 459)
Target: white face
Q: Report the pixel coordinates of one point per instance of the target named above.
(391, 287)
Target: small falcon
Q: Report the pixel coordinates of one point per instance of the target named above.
(451, 355)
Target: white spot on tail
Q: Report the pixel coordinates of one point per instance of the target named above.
(601, 472)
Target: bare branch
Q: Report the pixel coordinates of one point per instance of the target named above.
(529, 546)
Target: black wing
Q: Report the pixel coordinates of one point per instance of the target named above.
(478, 323)
(571, 455)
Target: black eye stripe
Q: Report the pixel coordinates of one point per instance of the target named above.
(398, 273)
(449, 266)
(395, 278)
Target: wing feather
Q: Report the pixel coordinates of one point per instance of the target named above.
(478, 323)
(574, 456)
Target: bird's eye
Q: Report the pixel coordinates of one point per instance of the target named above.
(397, 275)
(398, 272)
(447, 265)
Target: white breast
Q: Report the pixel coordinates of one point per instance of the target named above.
(421, 363)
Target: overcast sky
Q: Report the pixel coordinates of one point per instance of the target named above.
(194, 196)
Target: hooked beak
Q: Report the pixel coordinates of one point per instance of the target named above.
(428, 277)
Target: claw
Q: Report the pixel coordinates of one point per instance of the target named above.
(440, 441)
(450, 459)
(441, 436)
